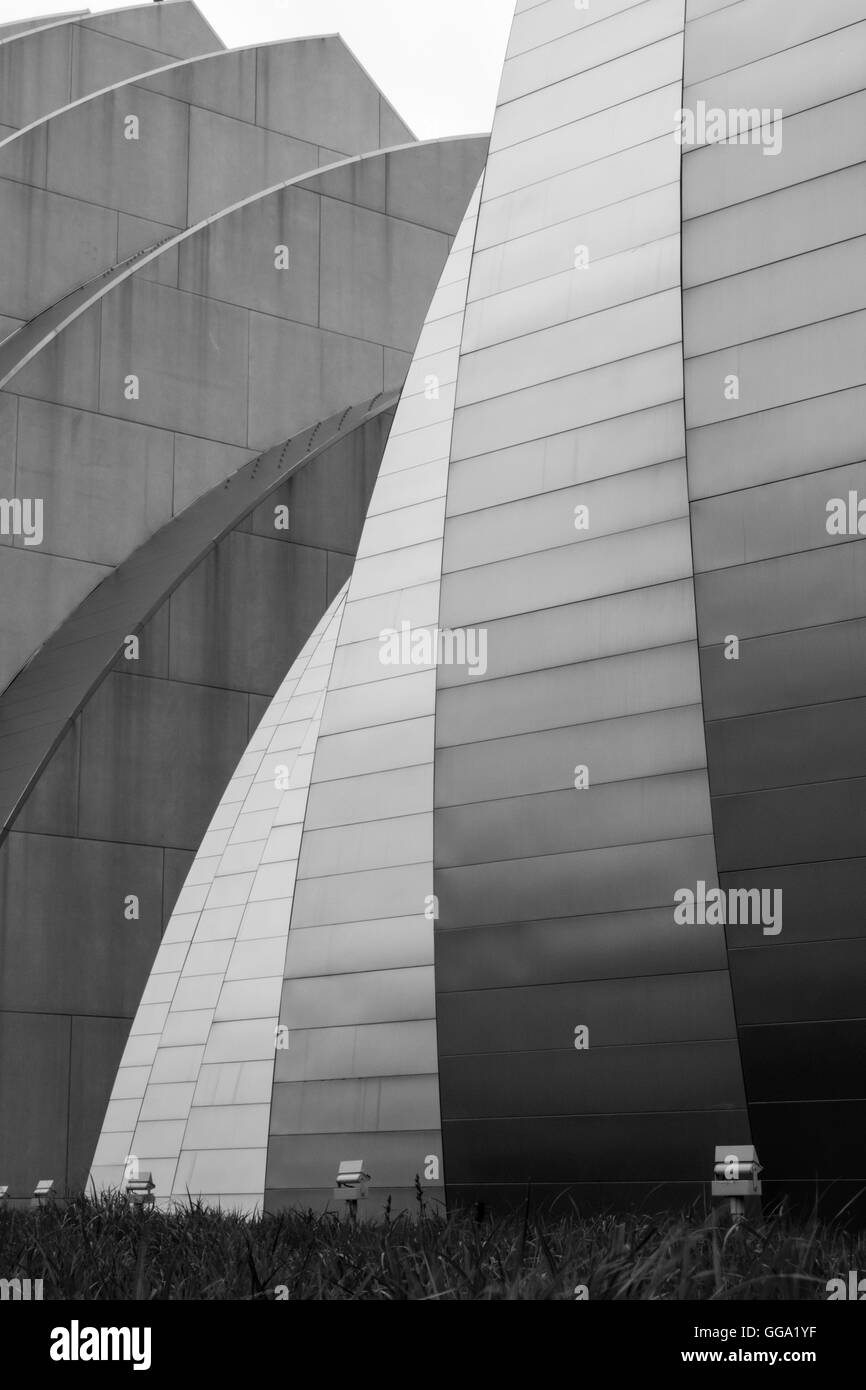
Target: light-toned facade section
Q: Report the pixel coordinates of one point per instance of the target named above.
(360, 1076)
(571, 787)
(193, 1092)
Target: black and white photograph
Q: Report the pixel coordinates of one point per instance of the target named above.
(432, 656)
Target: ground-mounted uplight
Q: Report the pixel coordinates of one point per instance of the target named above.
(140, 1189)
(44, 1192)
(736, 1176)
(352, 1186)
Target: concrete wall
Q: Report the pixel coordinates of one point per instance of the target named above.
(46, 68)
(125, 801)
(231, 355)
(18, 26)
(77, 196)
(775, 293)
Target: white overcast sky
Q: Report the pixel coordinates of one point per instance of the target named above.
(437, 61)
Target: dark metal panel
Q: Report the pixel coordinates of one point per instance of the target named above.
(590, 1148)
(805, 1061)
(817, 980)
(563, 885)
(818, 743)
(813, 1140)
(821, 902)
(634, 1010)
(645, 942)
(790, 826)
(602, 1081)
(793, 591)
(780, 671)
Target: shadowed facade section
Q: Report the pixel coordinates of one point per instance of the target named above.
(774, 264)
(567, 542)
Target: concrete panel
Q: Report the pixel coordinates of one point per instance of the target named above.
(224, 82)
(153, 648)
(66, 942)
(100, 60)
(118, 493)
(237, 258)
(97, 1046)
(316, 92)
(66, 241)
(52, 807)
(223, 635)
(8, 450)
(429, 185)
(121, 746)
(8, 326)
(66, 370)
(199, 465)
(231, 159)
(179, 29)
(37, 584)
(18, 26)
(25, 158)
(89, 156)
(299, 375)
(328, 502)
(136, 234)
(378, 275)
(190, 355)
(393, 130)
(176, 865)
(35, 1049)
(34, 75)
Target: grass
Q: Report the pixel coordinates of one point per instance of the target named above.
(101, 1249)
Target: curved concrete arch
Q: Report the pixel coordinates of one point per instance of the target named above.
(46, 67)
(368, 239)
(209, 131)
(204, 1039)
(41, 704)
(238, 585)
(18, 26)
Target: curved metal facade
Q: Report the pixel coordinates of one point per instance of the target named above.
(635, 405)
(775, 294)
(568, 542)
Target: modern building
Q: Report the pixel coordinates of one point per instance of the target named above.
(212, 280)
(542, 863)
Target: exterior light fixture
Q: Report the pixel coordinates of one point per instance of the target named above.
(736, 1175)
(140, 1189)
(352, 1185)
